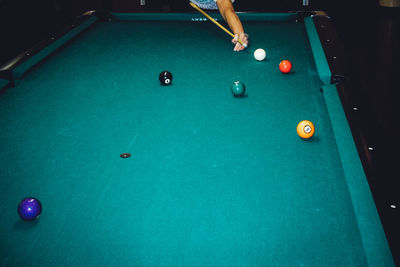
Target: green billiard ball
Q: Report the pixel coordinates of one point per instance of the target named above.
(238, 89)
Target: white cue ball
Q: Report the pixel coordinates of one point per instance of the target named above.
(260, 54)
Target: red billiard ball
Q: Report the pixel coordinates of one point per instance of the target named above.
(285, 66)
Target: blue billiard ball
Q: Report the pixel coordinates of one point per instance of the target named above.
(238, 89)
(29, 209)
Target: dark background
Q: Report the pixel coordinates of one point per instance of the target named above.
(371, 40)
(23, 22)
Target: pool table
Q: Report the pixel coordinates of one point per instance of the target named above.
(211, 179)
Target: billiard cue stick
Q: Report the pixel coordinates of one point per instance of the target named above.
(215, 22)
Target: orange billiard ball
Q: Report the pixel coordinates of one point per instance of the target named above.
(305, 129)
(285, 66)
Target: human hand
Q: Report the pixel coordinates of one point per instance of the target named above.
(242, 37)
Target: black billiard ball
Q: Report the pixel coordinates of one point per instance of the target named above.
(165, 78)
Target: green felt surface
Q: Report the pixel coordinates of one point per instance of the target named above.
(3, 83)
(244, 16)
(321, 63)
(213, 179)
(369, 225)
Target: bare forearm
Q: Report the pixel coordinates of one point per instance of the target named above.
(229, 15)
(233, 21)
